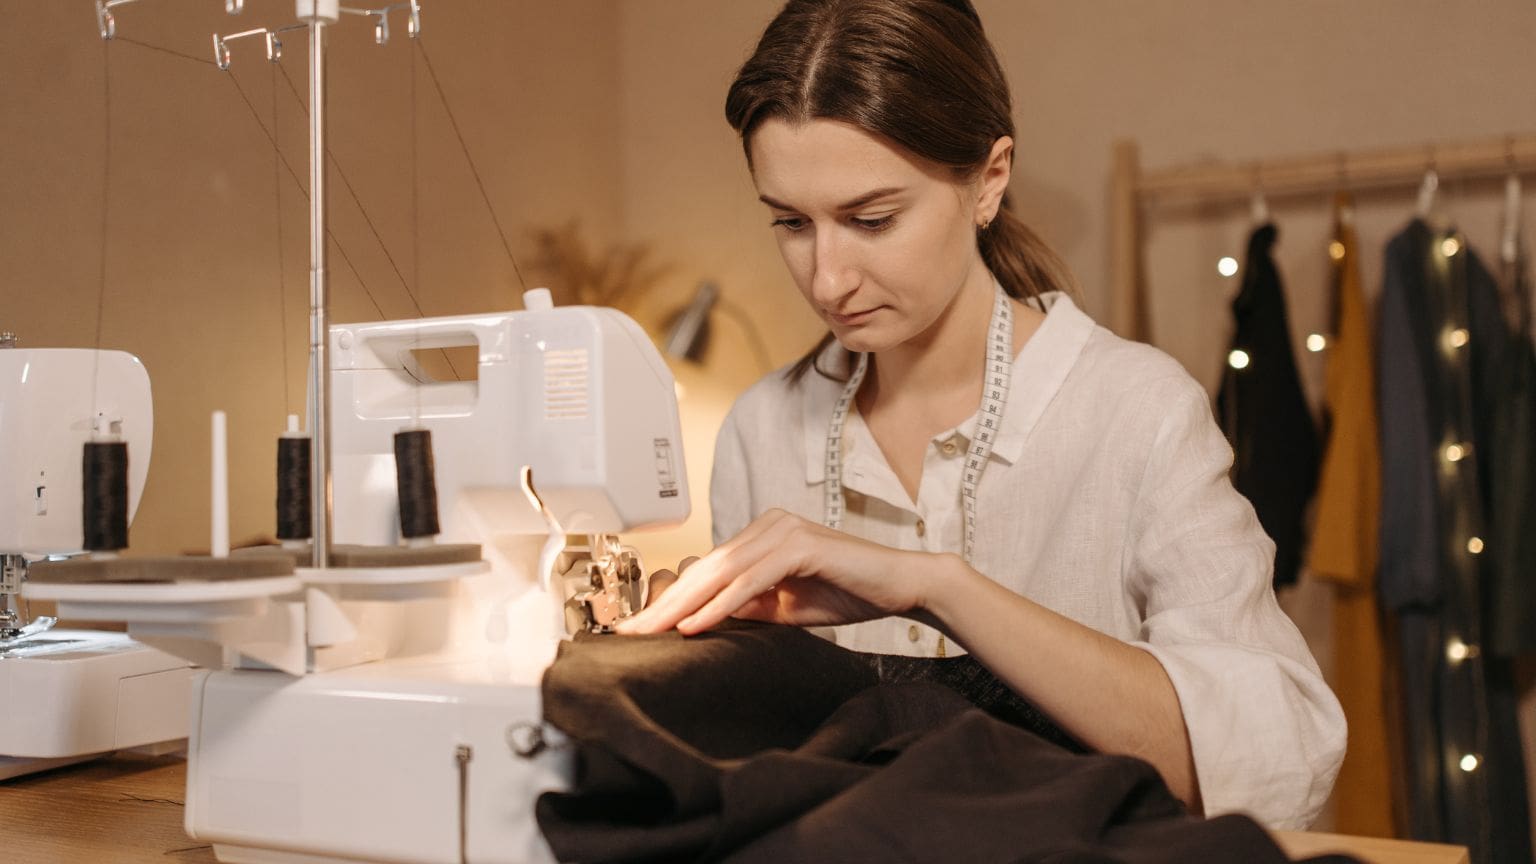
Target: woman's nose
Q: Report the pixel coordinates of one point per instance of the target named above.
(834, 275)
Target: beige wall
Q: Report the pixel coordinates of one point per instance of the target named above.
(1189, 81)
(192, 284)
(610, 112)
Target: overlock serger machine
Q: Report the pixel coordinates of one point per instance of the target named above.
(70, 694)
(392, 714)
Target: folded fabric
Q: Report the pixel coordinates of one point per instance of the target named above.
(768, 744)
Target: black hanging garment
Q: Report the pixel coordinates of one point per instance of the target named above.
(768, 744)
(1264, 412)
(1512, 530)
(1440, 347)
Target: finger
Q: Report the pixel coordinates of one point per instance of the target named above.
(669, 604)
(764, 607)
(706, 577)
(753, 582)
(704, 581)
(660, 581)
(730, 584)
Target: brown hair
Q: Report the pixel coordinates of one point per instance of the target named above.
(919, 73)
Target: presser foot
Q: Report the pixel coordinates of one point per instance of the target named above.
(610, 585)
(15, 625)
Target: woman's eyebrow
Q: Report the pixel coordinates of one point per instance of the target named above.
(852, 204)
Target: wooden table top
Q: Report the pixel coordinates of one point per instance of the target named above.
(128, 810)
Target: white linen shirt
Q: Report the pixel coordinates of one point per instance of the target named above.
(1107, 500)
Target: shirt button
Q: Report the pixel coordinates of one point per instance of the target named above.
(912, 633)
(949, 447)
(922, 528)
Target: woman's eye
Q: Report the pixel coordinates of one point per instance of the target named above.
(793, 223)
(879, 223)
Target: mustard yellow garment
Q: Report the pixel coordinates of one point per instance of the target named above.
(1344, 546)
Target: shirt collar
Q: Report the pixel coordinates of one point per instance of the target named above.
(1039, 371)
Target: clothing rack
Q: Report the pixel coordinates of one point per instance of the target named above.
(1133, 190)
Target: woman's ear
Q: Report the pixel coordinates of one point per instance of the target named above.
(992, 183)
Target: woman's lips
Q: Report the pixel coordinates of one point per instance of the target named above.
(854, 318)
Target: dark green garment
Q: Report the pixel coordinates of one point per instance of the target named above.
(1440, 347)
(1511, 591)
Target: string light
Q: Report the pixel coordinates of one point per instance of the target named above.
(1450, 246)
(1227, 266)
(1475, 545)
(1456, 651)
(1336, 251)
(1469, 763)
(1238, 359)
(1459, 337)
(1455, 452)
(1316, 342)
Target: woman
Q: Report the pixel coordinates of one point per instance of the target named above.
(968, 451)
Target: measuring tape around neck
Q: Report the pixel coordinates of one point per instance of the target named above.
(994, 395)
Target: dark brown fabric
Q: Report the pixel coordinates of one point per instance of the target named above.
(767, 744)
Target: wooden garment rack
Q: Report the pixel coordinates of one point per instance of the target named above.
(1133, 191)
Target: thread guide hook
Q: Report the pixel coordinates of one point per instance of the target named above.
(106, 23)
(381, 16)
(221, 54)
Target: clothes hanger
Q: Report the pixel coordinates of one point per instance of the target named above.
(1428, 189)
(1344, 203)
(1509, 245)
(1258, 206)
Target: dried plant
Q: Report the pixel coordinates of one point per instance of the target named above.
(576, 275)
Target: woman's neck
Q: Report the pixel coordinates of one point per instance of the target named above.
(944, 362)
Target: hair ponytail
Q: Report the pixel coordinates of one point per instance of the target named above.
(1022, 262)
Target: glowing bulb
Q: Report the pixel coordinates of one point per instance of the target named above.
(1316, 342)
(1450, 246)
(1238, 359)
(1475, 545)
(1459, 337)
(1455, 452)
(1457, 651)
(1336, 250)
(1469, 763)
(1227, 266)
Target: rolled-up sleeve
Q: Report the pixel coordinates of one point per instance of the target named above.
(1266, 732)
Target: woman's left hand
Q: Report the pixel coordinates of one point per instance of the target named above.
(788, 570)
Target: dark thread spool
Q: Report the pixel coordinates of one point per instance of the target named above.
(415, 483)
(104, 475)
(293, 502)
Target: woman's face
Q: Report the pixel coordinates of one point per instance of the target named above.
(879, 241)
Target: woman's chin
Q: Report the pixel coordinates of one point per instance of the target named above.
(863, 339)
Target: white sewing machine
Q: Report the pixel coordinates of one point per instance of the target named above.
(67, 695)
(392, 732)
